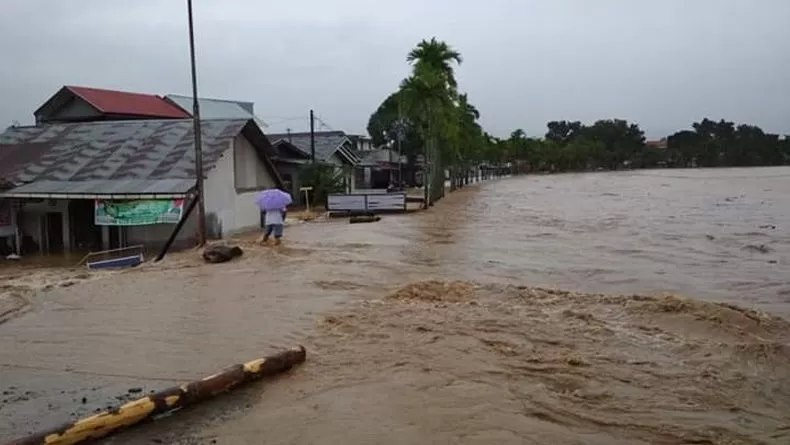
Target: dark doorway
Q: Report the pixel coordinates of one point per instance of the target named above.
(54, 231)
(85, 234)
(379, 178)
(117, 237)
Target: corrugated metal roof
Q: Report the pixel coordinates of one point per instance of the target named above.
(104, 187)
(96, 155)
(216, 108)
(122, 102)
(326, 143)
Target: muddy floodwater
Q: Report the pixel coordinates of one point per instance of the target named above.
(644, 307)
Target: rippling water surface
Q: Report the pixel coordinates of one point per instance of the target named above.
(717, 235)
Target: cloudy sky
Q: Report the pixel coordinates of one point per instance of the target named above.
(662, 63)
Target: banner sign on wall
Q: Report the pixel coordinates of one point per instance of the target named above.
(138, 213)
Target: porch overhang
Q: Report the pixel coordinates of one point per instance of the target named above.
(125, 189)
(92, 196)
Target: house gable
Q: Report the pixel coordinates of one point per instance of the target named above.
(327, 145)
(80, 104)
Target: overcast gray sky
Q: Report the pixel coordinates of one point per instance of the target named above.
(662, 63)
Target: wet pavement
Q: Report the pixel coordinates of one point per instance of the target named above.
(716, 235)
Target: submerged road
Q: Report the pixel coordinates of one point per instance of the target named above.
(715, 235)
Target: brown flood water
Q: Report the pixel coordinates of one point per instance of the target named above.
(441, 327)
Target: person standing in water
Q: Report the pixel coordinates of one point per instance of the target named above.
(273, 224)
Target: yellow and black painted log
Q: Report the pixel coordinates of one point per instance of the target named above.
(166, 401)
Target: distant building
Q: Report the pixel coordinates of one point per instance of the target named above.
(659, 143)
(379, 167)
(361, 143)
(331, 148)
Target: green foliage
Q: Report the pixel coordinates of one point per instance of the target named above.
(324, 179)
(722, 144)
(442, 125)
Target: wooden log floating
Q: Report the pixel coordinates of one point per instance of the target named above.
(364, 219)
(163, 402)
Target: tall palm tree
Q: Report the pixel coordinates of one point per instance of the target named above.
(435, 55)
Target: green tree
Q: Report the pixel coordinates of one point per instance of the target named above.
(437, 57)
(324, 179)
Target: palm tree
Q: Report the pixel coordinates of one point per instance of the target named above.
(435, 55)
(427, 99)
(470, 139)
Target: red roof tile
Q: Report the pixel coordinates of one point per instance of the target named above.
(121, 102)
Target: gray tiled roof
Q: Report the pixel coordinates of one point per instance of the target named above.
(326, 142)
(119, 151)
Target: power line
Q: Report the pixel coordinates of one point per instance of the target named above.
(282, 119)
(324, 124)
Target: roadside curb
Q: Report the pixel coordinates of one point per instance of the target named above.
(166, 401)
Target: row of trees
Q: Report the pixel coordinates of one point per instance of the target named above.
(436, 123)
(616, 144)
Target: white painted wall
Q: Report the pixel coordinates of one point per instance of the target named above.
(232, 185)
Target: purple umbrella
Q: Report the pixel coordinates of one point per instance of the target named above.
(273, 199)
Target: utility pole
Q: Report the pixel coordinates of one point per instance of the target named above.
(401, 135)
(312, 137)
(198, 136)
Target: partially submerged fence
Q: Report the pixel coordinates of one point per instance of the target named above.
(366, 202)
(114, 258)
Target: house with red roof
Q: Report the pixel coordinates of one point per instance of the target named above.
(81, 104)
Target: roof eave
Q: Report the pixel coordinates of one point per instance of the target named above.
(11, 194)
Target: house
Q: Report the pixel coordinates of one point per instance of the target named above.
(361, 143)
(60, 176)
(289, 160)
(331, 148)
(81, 104)
(379, 167)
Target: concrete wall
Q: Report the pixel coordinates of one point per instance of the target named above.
(231, 188)
(250, 172)
(155, 235)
